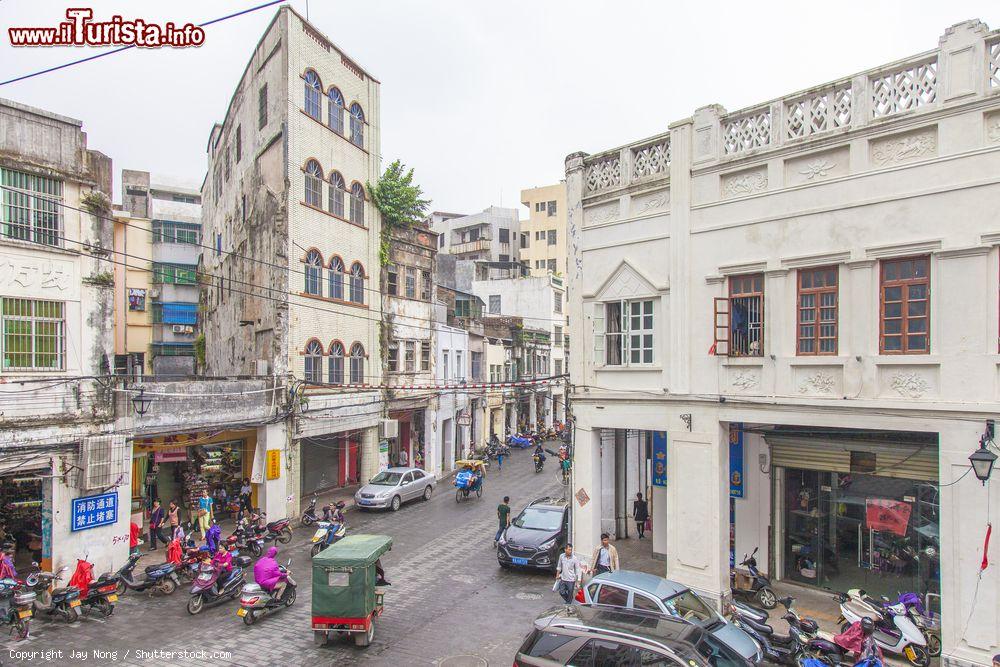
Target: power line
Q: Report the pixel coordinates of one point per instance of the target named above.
(130, 46)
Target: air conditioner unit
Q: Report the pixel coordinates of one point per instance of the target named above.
(154, 293)
(188, 329)
(389, 428)
(177, 328)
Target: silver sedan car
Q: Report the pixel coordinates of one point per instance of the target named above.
(394, 486)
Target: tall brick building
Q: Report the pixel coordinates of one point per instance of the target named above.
(291, 286)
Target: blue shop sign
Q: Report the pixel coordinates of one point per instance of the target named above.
(93, 511)
(736, 480)
(659, 458)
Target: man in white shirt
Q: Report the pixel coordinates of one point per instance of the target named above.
(569, 572)
(404, 458)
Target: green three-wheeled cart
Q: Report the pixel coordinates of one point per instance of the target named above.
(345, 600)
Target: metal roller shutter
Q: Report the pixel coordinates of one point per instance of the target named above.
(902, 460)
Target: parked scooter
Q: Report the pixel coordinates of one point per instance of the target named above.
(100, 596)
(309, 516)
(16, 603)
(327, 533)
(755, 586)
(895, 632)
(255, 602)
(59, 603)
(208, 589)
(928, 622)
(802, 638)
(161, 577)
(279, 531)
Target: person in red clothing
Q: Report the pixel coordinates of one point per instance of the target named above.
(133, 538)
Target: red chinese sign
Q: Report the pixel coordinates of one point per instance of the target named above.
(887, 515)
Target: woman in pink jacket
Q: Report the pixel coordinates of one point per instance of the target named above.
(268, 574)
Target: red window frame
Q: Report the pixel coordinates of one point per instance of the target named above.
(818, 298)
(900, 283)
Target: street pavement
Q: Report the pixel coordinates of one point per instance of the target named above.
(448, 598)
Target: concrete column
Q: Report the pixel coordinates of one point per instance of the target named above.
(369, 453)
(512, 418)
(273, 494)
(698, 511)
(533, 412)
(587, 478)
(548, 408)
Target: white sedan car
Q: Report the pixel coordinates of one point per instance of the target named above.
(393, 487)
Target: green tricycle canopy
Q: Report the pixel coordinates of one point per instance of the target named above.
(343, 577)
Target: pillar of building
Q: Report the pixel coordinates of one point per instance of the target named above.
(586, 490)
(548, 408)
(533, 411)
(512, 417)
(273, 492)
(369, 453)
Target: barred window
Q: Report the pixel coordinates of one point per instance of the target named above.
(336, 363)
(34, 334)
(357, 364)
(312, 94)
(357, 204)
(314, 180)
(170, 231)
(336, 111)
(314, 362)
(174, 274)
(357, 125)
(31, 217)
(336, 201)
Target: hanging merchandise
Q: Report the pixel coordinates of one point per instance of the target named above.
(887, 515)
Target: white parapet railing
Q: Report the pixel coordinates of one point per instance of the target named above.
(746, 131)
(604, 172)
(819, 111)
(911, 86)
(993, 54)
(651, 158)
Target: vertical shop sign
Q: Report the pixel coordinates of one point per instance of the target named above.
(273, 463)
(383, 454)
(736, 480)
(659, 458)
(93, 511)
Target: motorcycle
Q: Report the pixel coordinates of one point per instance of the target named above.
(209, 590)
(16, 604)
(102, 594)
(61, 603)
(894, 631)
(327, 533)
(802, 640)
(309, 516)
(161, 577)
(928, 622)
(278, 531)
(755, 586)
(255, 602)
(539, 460)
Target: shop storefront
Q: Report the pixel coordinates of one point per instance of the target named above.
(329, 462)
(24, 495)
(408, 448)
(857, 514)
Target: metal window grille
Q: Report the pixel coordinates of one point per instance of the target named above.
(336, 192)
(34, 334)
(31, 217)
(746, 321)
(336, 112)
(336, 364)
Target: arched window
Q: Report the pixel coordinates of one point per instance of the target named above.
(337, 187)
(358, 204)
(312, 94)
(314, 184)
(314, 271)
(336, 121)
(336, 278)
(314, 362)
(336, 363)
(357, 125)
(357, 283)
(357, 364)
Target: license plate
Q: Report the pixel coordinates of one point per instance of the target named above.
(112, 598)
(520, 561)
(364, 502)
(74, 603)
(25, 613)
(241, 612)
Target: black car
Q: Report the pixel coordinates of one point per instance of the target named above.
(597, 635)
(536, 536)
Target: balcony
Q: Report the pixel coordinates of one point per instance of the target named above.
(479, 245)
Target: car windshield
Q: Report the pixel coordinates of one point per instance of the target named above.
(689, 606)
(386, 478)
(539, 519)
(719, 654)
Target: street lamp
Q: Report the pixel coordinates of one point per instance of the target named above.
(982, 461)
(140, 403)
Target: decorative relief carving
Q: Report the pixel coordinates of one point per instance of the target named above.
(993, 127)
(745, 381)
(820, 168)
(41, 274)
(654, 203)
(895, 150)
(603, 215)
(744, 183)
(818, 383)
(909, 385)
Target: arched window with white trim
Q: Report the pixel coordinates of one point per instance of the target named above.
(313, 87)
(358, 204)
(336, 198)
(357, 283)
(314, 362)
(336, 288)
(314, 184)
(357, 125)
(336, 363)
(314, 272)
(357, 364)
(336, 113)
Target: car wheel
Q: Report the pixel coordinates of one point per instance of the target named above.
(396, 502)
(427, 492)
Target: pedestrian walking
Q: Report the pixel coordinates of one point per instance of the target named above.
(245, 492)
(173, 515)
(133, 538)
(204, 513)
(605, 557)
(156, 526)
(640, 512)
(501, 450)
(503, 515)
(404, 458)
(569, 572)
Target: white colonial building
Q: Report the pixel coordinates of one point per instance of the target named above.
(789, 314)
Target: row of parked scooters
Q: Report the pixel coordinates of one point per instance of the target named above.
(39, 594)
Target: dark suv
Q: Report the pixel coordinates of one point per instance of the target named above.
(597, 635)
(536, 535)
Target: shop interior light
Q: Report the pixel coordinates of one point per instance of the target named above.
(140, 403)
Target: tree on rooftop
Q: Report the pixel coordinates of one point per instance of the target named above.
(397, 198)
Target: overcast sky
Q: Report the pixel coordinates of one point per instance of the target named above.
(482, 98)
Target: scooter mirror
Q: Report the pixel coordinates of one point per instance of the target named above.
(289, 563)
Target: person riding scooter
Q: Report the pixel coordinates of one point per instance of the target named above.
(223, 562)
(269, 575)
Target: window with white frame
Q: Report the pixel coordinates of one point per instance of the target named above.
(34, 334)
(410, 356)
(623, 332)
(336, 363)
(459, 366)
(557, 306)
(494, 304)
(31, 207)
(312, 97)
(357, 364)
(314, 362)
(314, 184)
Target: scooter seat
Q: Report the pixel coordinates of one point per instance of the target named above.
(274, 524)
(762, 628)
(66, 590)
(809, 626)
(161, 568)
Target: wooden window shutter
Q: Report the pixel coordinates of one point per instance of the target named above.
(598, 322)
(721, 334)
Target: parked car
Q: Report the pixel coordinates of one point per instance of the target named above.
(647, 592)
(536, 535)
(597, 635)
(393, 487)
